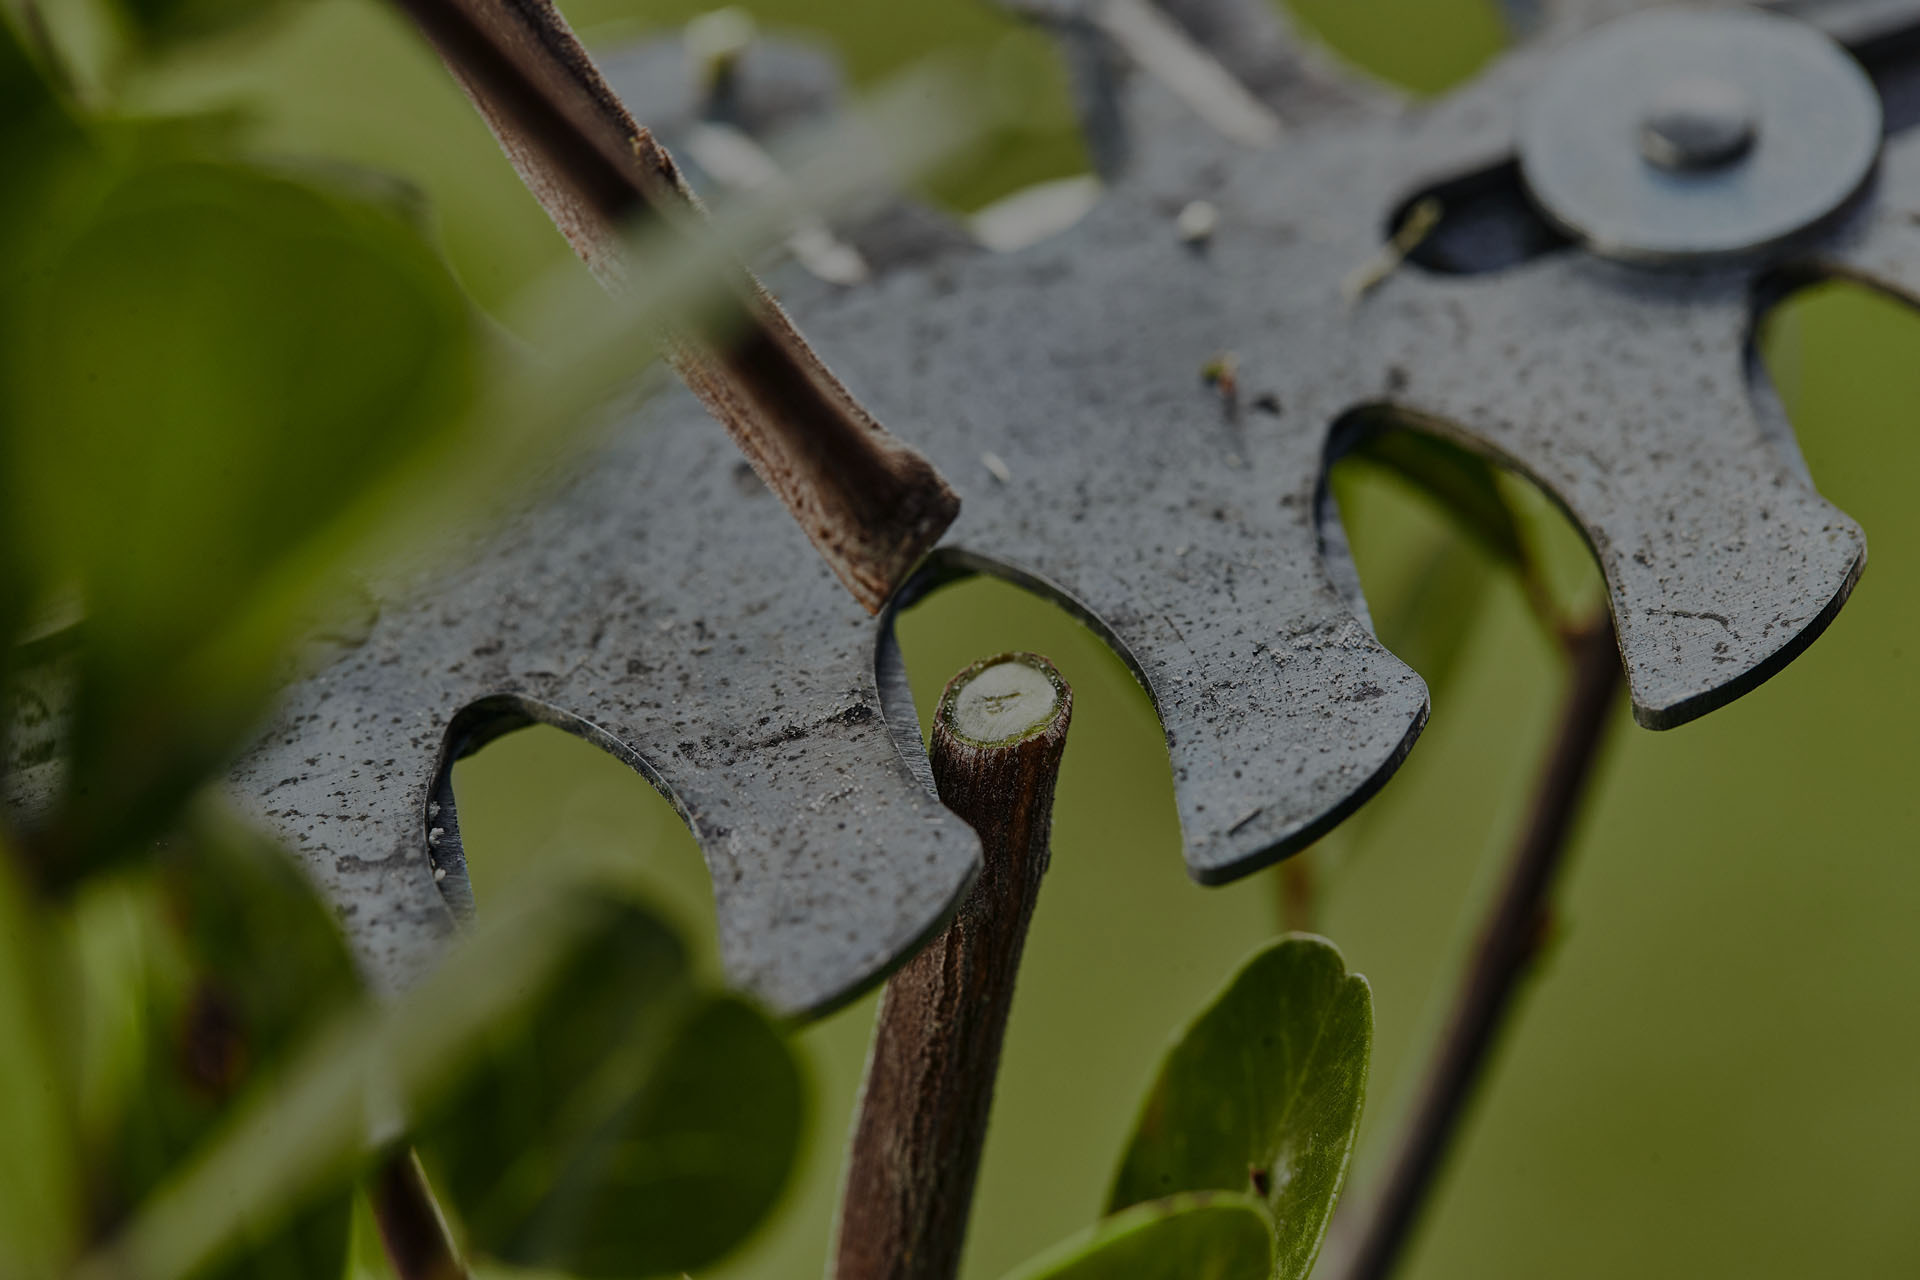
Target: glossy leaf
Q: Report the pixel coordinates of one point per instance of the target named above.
(1262, 1094)
(626, 1124)
(1192, 1237)
(220, 366)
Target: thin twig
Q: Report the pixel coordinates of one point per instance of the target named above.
(997, 739)
(1510, 939)
(1299, 893)
(411, 1225)
(871, 505)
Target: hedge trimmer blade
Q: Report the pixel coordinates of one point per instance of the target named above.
(665, 607)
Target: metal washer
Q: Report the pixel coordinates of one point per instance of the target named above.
(1815, 120)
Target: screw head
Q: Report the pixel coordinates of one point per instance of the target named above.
(1698, 123)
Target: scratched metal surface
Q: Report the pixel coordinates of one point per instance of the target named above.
(666, 607)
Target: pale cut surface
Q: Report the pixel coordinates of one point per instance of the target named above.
(1004, 701)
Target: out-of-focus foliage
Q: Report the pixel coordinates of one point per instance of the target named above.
(205, 370)
(155, 23)
(196, 978)
(1420, 45)
(446, 1047)
(1262, 1094)
(38, 139)
(630, 1124)
(216, 376)
(40, 1182)
(135, 1016)
(1461, 481)
(1191, 1237)
(235, 360)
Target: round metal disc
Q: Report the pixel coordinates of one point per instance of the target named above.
(1672, 137)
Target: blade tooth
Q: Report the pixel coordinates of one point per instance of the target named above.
(345, 790)
(1625, 395)
(1120, 480)
(668, 603)
(830, 862)
(1282, 712)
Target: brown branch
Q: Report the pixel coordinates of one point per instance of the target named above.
(411, 1226)
(997, 739)
(1510, 939)
(871, 505)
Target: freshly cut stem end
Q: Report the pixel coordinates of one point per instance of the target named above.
(998, 700)
(998, 735)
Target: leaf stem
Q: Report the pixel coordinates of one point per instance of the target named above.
(412, 1227)
(1510, 939)
(997, 739)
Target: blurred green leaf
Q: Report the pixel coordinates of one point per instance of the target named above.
(233, 361)
(683, 1097)
(195, 979)
(1427, 624)
(39, 1172)
(626, 1124)
(1220, 1236)
(37, 135)
(1262, 1093)
(158, 23)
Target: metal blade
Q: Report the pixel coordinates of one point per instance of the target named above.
(665, 607)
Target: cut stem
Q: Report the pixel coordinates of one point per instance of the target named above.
(871, 505)
(1510, 939)
(997, 739)
(411, 1225)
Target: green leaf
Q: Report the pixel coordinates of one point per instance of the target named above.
(1218, 1236)
(39, 1173)
(38, 137)
(689, 1099)
(1262, 1093)
(157, 23)
(626, 1123)
(216, 370)
(197, 978)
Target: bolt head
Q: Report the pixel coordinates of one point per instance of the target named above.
(1698, 123)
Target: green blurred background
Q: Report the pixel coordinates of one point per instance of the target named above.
(1713, 1075)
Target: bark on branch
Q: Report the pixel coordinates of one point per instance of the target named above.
(871, 505)
(997, 739)
(1517, 925)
